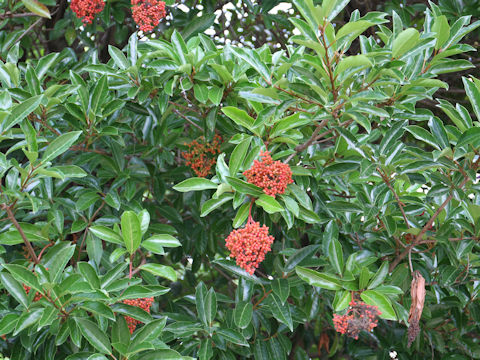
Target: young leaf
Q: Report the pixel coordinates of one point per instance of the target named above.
(131, 231)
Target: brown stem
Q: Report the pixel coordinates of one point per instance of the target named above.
(400, 204)
(90, 221)
(187, 119)
(22, 234)
(305, 145)
(427, 226)
(261, 299)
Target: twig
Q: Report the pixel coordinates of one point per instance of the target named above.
(30, 28)
(313, 138)
(427, 226)
(386, 180)
(22, 234)
(187, 119)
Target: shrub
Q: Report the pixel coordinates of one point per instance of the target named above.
(362, 202)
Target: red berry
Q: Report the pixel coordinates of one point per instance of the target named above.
(148, 13)
(249, 245)
(202, 155)
(271, 175)
(87, 9)
(143, 303)
(359, 316)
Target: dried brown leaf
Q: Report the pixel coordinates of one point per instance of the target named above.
(417, 291)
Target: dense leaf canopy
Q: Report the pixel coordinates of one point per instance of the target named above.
(247, 181)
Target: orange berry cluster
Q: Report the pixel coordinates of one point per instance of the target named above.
(271, 175)
(249, 245)
(148, 13)
(37, 297)
(202, 155)
(143, 303)
(87, 9)
(359, 316)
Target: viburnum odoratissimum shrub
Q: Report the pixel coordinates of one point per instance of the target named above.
(366, 189)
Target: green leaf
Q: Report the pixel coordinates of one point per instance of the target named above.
(164, 240)
(99, 308)
(321, 280)
(242, 315)
(179, 46)
(106, 234)
(28, 319)
(37, 8)
(118, 57)
(238, 156)
(206, 350)
(198, 25)
(20, 112)
(279, 311)
(335, 255)
(442, 31)
(195, 184)
(244, 187)
(331, 8)
(212, 204)
(251, 57)
(200, 294)
(14, 288)
(24, 275)
(439, 132)
(239, 116)
(357, 61)
(380, 276)
(242, 215)
(59, 145)
(8, 323)
(131, 231)
(422, 135)
(233, 336)
(404, 41)
(164, 271)
(230, 266)
(89, 274)
(144, 218)
(94, 335)
(281, 288)
(470, 137)
(473, 93)
(375, 298)
(301, 254)
(140, 291)
(269, 204)
(347, 206)
(99, 94)
(210, 306)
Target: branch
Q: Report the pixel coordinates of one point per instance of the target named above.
(22, 234)
(309, 142)
(187, 119)
(427, 226)
(400, 204)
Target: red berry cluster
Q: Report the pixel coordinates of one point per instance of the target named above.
(37, 297)
(87, 9)
(249, 245)
(359, 316)
(202, 155)
(271, 175)
(147, 13)
(143, 303)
